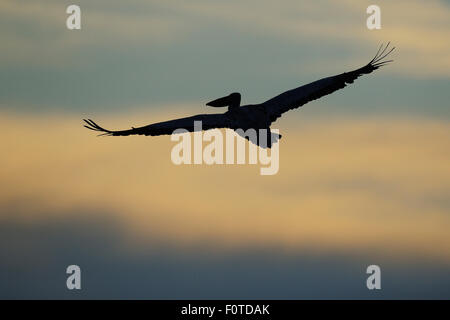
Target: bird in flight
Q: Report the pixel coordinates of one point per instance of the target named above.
(256, 116)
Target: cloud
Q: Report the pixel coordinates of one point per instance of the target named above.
(378, 185)
(419, 29)
(36, 33)
(34, 257)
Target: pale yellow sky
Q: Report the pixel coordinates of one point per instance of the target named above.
(352, 184)
(364, 173)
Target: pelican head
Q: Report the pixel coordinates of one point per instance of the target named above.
(233, 100)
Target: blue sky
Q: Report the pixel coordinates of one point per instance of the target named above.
(151, 54)
(364, 176)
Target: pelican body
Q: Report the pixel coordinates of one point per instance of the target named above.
(257, 116)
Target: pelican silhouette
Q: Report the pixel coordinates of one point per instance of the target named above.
(257, 116)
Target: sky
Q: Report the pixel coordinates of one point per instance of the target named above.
(364, 176)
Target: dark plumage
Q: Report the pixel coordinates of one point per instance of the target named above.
(259, 116)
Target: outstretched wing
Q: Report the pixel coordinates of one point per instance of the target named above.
(295, 98)
(208, 121)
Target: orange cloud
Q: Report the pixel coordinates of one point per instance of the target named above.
(380, 185)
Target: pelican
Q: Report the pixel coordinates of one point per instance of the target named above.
(256, 116)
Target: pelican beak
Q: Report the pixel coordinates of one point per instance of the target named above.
(221, 102)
